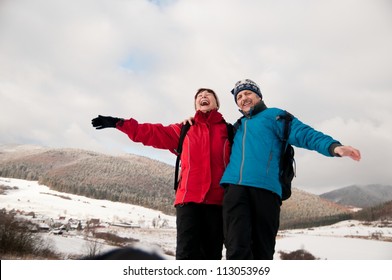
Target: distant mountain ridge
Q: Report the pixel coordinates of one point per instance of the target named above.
(134, 179)
(360, 196)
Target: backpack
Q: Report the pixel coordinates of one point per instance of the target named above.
(287, 162)
(184, 130)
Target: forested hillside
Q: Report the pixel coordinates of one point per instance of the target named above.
(135, 180)
(305, 210)
(380, 212)
(129, 178)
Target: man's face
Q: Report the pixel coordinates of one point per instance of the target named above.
(205, 101)
(247, 99)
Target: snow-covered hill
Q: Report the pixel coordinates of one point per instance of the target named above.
(154, 230)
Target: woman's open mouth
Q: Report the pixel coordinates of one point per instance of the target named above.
(204, 102)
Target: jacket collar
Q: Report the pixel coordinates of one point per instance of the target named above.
(259, 107)
(210, 117)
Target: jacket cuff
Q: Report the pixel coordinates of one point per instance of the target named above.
(332, 148)
(120, 122)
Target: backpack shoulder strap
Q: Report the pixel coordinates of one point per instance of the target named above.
(230, 133)
(287, 117)
(232, 129)
(184, 130)
(237, 124)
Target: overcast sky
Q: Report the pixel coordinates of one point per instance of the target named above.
(63, 62)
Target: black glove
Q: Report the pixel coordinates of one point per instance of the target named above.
(104, 122)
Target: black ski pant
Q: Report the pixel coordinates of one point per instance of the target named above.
(199, 232)
(251, 222)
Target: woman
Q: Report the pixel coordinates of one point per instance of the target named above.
(204, 157)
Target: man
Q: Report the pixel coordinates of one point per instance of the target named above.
(206, 152)
(252, 200)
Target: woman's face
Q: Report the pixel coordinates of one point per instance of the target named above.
(205, 101)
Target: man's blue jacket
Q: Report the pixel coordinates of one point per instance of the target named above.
(256, 150)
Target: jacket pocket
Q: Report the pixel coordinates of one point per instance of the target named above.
(269, 162)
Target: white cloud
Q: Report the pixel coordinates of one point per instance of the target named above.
(328, 62)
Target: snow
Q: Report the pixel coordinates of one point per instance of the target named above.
(337, 248)
(341, 241)
(30, 196)
(48, 204)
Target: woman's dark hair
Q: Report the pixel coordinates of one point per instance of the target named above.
(210, 91)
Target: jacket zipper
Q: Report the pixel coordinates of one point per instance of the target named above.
(243, 152)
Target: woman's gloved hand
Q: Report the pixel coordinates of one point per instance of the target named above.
(105, 121)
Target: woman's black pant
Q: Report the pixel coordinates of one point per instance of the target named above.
(251, 222)
(199, 232)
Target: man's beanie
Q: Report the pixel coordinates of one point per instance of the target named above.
(245, 85)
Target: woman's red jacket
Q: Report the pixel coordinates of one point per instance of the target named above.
(205, 153)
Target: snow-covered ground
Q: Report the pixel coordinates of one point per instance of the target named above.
(342, 241)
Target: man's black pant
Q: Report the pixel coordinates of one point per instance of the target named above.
(199, 232)
(251, 222)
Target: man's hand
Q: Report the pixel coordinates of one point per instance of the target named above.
(348, 151)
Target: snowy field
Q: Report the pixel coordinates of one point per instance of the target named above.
(348, 240)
